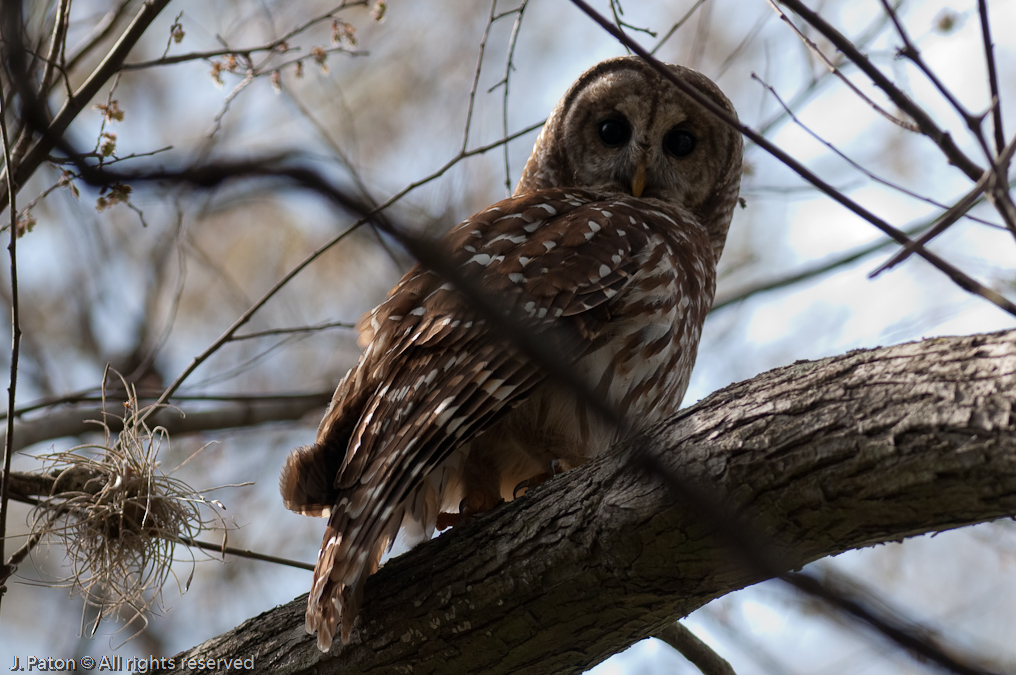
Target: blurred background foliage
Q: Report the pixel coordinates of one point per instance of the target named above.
(378, 105)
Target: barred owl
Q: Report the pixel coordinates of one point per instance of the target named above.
(610, 239)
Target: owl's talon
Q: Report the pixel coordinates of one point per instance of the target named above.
(474, 504)
(556, 469)
(535, 481)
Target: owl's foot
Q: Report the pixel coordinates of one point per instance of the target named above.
(446, 520)
(476, 502)
(539, 479)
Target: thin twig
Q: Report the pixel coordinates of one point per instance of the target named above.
(106, 119)
(989, 59)
(677, 26)
(512, 41)
(354, 173)
(5, 569)
(476, 75)
(18, 556)
(298, 329)
(701, 37)
(736, 52)
(240, 86)
(243, 553)
(836, 71)
(618, 11)
(173, 35)
(203, 56)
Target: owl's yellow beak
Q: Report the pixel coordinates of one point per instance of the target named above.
(638, 181)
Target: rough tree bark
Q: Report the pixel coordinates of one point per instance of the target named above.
(821, 456)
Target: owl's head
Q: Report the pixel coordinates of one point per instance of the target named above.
(623, 129)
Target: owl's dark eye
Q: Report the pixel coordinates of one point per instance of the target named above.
(614, 132)
(679, 142)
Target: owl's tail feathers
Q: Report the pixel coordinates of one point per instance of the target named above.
(329, 604)
(343, 566)
(323, 617)
(335, 593)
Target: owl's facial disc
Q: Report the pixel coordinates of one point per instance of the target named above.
(625, 130)
(621, 143)
(628, 131)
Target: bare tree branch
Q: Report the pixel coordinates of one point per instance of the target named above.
(692, 648)
(989, 59)
(973, 196)
(996, 173)
(109, 67)
(924, 121)
(909, 126)
(78, 420)
(56, 45)
(7, 569)
(911, 52)
(957, 210)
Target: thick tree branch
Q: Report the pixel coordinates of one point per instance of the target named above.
(820, 457)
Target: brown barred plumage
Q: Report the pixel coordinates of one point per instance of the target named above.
(608, 246)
